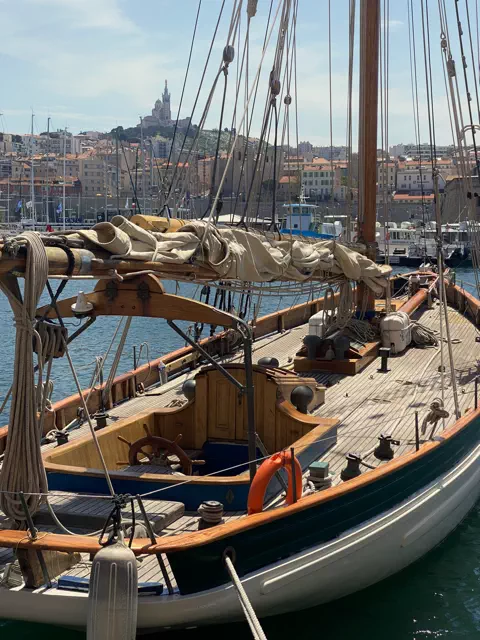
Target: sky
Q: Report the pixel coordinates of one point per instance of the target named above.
(97, 64)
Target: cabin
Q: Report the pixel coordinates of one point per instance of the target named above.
(163, 447)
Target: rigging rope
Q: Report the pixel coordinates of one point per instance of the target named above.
(173, 182)
(23, 469)
(465, 181)
(116, 361)
(184, 84)
(229, 157)
(416, 108)
(248, 610)
(330, 102)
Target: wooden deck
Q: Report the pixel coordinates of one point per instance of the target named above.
(91, 513)
(148, 567)
(367, 404)
(371, 402)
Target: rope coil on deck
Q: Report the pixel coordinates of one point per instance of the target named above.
(422, 336)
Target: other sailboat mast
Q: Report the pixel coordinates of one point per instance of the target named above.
(64, 172)
(142, 155)
(32, 177)
(47, 215)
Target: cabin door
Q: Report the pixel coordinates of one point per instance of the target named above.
(222, 403)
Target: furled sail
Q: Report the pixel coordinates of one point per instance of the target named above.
(237, 254)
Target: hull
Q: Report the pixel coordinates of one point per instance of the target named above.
(357, 559)
(413, 261)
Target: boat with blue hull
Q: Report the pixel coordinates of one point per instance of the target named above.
(302, 219)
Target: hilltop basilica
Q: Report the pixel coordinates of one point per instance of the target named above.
(162, 114)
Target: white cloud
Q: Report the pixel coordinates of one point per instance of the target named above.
(134, 76)
(91, 14)
(121, 70)
(395, 25)
(65, 115)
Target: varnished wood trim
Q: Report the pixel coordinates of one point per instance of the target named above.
(176, 360)
(84, 544)
(286, 407)
(190, 540)
(466, 301)
(413, 303)
(156, 303)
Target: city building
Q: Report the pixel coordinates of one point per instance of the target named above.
(161, 147)
(304, 147)
(5, 167)
(386, 176)
(54, 142)
(331, 153)
(161, 112)
(288, 188)
(421, 151)
(239, 175)
(161, 115)
(415, 179)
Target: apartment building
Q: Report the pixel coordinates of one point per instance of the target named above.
(386, 176)
(415, 180)
(421, 151)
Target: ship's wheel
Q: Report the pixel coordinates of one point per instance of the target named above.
(160, 449)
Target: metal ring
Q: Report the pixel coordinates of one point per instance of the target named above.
(229, 552)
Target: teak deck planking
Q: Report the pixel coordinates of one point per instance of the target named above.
(411, 384)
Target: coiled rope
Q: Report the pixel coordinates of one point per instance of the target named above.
(422, 336)
(23, 468)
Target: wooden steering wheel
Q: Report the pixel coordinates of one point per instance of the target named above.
(158, 446)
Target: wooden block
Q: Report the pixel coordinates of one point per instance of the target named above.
(319, 469)
(345, 367)
(56, 561)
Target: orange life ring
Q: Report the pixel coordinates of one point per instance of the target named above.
(265, 473)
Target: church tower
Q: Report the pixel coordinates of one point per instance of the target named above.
(167, 114)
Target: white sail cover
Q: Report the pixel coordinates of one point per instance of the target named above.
(236, 254)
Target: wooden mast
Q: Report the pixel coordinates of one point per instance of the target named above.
(367, 136)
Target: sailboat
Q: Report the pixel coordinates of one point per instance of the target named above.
(277, 464)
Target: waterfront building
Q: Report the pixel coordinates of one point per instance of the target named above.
(421, 151)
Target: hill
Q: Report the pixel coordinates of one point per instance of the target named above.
(206, 144)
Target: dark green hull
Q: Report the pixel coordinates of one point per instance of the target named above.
(201, 567)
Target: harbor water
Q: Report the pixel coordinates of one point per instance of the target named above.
(437, 597)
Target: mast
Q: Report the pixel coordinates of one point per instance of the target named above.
(118, 184)
(64, 172)
(143, 164)
(367, 137)
(150, 209)
(8, 199)
(48, 156)
(106, 186)
(32, 178)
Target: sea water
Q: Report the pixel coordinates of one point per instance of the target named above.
(437, 597)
